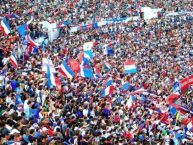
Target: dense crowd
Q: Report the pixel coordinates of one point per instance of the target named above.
(77, 113)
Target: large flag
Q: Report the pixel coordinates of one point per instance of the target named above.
(184, 84)
(13, 60)
(86, 72)
(66, 71)
(88, 54)
(190, 80)
(129, 67)
(31, 41)
(22, 28)
(45, 62)
(52, 80)
(74, 65)
(5, 26)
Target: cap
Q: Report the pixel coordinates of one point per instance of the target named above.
(14, 131)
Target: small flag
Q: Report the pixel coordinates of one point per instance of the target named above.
(125, 86)
(108, 51)
(66, 71)
(97, 70)
(52, 80)
(130, 102)
(5, 26)
(139, 91)
(107, 66)
(108, 90)
(129, 67)
(176, 87)
(13, 60)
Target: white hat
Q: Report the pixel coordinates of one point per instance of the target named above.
(14, 131)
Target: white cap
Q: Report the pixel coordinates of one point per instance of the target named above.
(14, 131)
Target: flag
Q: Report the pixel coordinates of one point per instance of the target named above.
(86, 72)
(189, 126)
(85, 61)
(13, 60)
(139, 91)
(172, 97)
(88, 46)
(52, 80)
(109, 82)
(31, 41)
(45, 62)
(184, 84)
(74, 65)
(66, 71)
(88, 54)
(130, 101)
(5, 26)
(125, 86)
(173, 111)
(108, 51)
(176, 87)
(107, 66)
(190, 80)
(109, 90)
(22, 30)
(97, 70)
(129, 67)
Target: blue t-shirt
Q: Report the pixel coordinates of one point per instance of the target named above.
(13, 85)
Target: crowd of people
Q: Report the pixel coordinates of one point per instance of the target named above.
(77, 113)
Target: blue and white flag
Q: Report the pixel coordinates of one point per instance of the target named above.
(88, 54)
(86, 72)
(176, 87)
